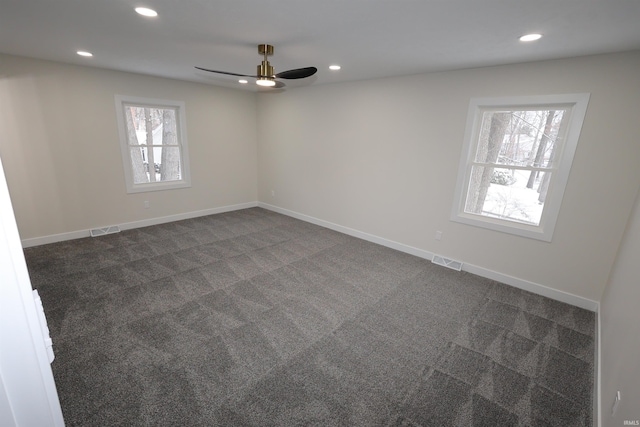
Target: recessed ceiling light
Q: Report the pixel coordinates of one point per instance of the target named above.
(530, 37)
(84, 53)
(243, 81)
(145, 11)
(334, 67)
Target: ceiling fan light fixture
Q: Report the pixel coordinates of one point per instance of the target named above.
(145, 11)
(530, 37)
(266, 82)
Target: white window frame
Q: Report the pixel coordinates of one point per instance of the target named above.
(181, 128)
(544, 231)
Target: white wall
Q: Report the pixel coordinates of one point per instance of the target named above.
(61, 151)
(377, 156)
(381, 157)
(620, 329)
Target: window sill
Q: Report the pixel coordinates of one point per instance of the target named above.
(517, 229)
(158, 186)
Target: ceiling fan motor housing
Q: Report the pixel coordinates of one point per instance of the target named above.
(265, 69)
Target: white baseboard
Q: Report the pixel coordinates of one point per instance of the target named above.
(36, 241)
(350, 231)
(474, 269)
(533, 287)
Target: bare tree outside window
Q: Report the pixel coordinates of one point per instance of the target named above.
(493, 136)
(170, 159)
(137, 161)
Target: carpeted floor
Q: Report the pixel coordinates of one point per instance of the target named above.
(251, 318)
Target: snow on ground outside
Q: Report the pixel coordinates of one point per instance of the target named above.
(515, 202)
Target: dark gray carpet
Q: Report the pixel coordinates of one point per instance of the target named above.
(251, 318)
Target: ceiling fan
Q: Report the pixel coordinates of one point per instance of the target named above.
(265, 76)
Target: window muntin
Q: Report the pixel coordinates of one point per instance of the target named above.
(153, 143)
(516, 161)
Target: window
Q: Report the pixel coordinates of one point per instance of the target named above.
(515, 162)
(153, 143)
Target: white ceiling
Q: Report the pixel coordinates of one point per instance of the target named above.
(369, 38)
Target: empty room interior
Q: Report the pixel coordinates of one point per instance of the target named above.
(443, 229)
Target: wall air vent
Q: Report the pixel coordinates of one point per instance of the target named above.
(104, 230)
(446, 262)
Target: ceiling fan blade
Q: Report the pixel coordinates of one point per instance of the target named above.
(298, 73)
(226, 72)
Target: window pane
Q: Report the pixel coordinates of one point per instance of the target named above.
(519, 137)
(156, 126)
(167, 163)
(168, 127)
(512, 194)
(493, 131)
(139, 162)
